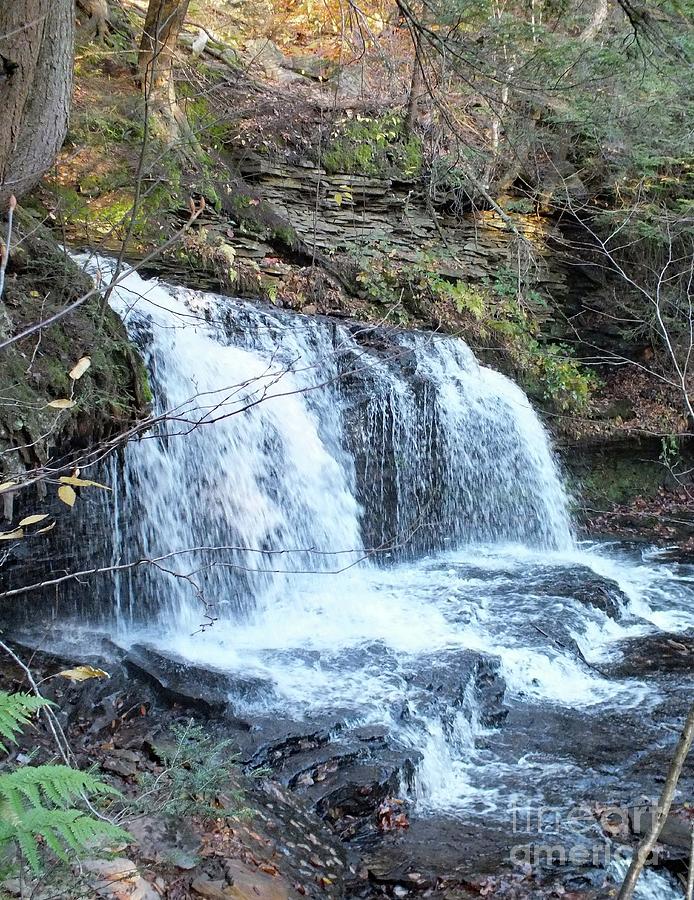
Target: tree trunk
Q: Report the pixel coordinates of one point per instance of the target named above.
(596, 23)
(36, 55)
(417, 88)
(156, 70)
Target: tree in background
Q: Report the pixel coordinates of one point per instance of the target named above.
(36, 57)
(156, 73)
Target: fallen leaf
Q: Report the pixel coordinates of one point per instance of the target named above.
(11, 535)
(83, 673)
(61, 404)
(32, 520)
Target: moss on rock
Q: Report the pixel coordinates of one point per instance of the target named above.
(41, 281)
(378, 146)
(603, 478)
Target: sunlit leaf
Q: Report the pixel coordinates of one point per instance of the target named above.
(83, 673)
(67, 494)
(32, 520)
(64, 403)
(47, 528)
(12, 535)
(6, 485)
(82, 482)
(80, 368)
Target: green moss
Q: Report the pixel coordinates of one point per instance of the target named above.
(604, 479)
(113, 391)
(286, 235)
(207, 125)
(374, 146)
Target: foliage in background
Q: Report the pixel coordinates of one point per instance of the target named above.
(487, 315)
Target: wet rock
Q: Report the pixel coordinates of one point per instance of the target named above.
(185, 682)
(350, 801)
(653, 653)
(270, 741)
(460, 679)
(582, 584)
(435, 849)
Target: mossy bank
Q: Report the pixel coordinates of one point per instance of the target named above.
(41, 281)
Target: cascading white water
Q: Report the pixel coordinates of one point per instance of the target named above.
(287, 438)
(289, 448)
(248, 456)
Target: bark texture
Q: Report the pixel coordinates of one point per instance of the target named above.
(156, 70)
(36, 56)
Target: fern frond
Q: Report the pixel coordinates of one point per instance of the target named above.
(61, 830)
(56, 785)
(15, 712)
(37, 802)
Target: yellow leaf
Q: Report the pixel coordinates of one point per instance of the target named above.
(32, 520)
(67, 494)
(83, 673)
(338, 198)
(6, 485)
(47, 528)
(11, 535)
(82, 482)
(80, 368)
(61, 404)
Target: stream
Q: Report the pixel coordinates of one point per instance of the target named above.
(372, 542)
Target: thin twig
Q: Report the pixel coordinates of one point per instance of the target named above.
(5, 253)
(643, 851)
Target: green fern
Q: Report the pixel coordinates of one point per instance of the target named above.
(37, 802)
(15, 710)
(60, 829)
(57, 786)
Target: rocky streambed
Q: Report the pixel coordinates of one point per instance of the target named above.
(525, 772)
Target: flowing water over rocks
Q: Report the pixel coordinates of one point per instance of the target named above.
(378, 528)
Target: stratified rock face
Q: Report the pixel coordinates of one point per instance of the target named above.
(358, 215)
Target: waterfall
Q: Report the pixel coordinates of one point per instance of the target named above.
(307, 445)
(377, 526)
